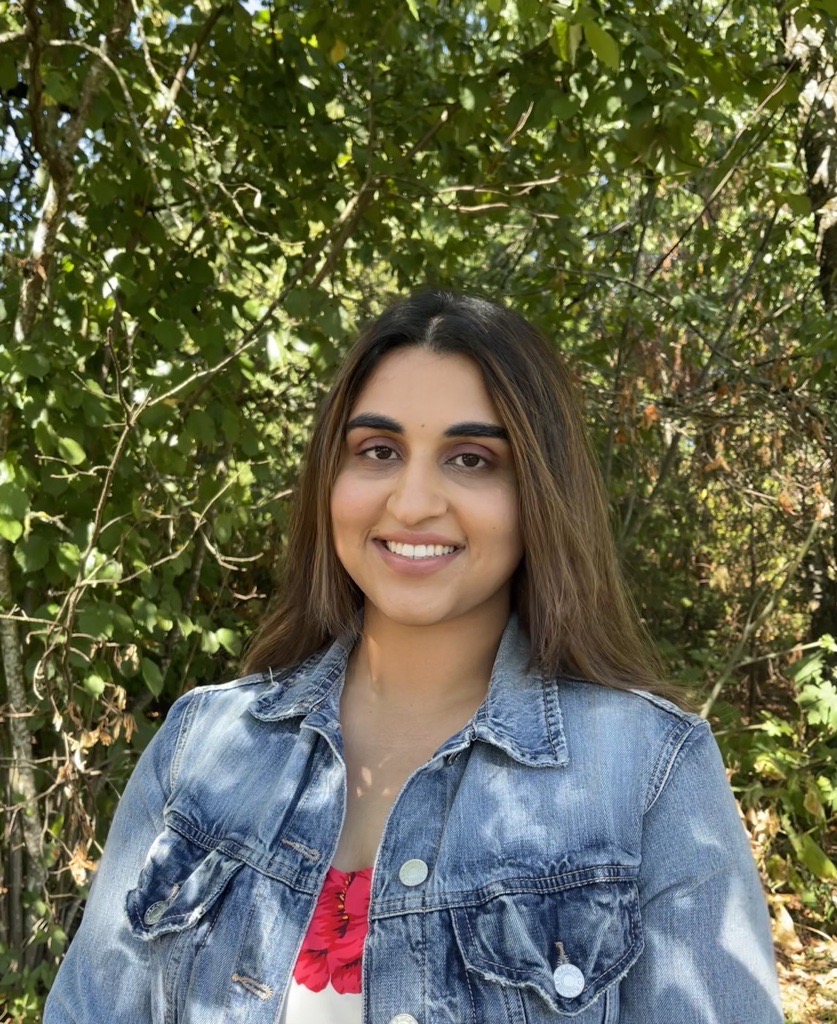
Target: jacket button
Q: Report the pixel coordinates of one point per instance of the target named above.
(569, 981)
(412, 872)
(155, 912)
(403, 1018)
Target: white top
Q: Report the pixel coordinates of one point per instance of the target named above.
(326, 983)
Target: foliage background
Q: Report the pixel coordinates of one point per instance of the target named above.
(199, 204)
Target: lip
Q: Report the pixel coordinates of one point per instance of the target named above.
(415, 566)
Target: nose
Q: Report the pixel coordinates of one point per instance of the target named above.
(417, 493)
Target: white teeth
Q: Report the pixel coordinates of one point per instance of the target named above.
(419, 550)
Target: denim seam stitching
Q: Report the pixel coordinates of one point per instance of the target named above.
(235, 851)
(553, 883)
(665, 763)
(238, 956)
(399, 907)
(547, 718)
(182, 738)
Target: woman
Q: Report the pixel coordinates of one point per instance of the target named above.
(450, 788)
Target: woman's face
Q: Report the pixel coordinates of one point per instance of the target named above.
(424, 508)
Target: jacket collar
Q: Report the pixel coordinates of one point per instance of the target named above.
(520, 713)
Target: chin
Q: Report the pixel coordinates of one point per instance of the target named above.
(413, 614)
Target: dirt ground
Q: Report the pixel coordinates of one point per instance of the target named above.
(807, 966)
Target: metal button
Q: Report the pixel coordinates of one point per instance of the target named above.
(569, 981)
(155, 912)
(413, 872)
(403, 1018)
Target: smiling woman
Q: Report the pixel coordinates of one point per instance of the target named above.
(452, 787)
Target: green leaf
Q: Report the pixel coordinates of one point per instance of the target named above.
(184, 624)
(169, 334)
(230, 425)
(32, 554)
(813, 804)
(814, 857)
(807, 668)
(8, 73)
(152, 676)
(200, 426)
(223, 527)
(210, 644)
(819, 701)
(33, 364)
(559, 40)
(229, 640)
(72, 451)
(798, 203)
(96, 620)
(14, 504)
(94, 684)
(413, 8)
(69, 558)
(10, 529)
(602, 44)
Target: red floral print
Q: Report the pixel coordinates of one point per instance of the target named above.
(333, 947)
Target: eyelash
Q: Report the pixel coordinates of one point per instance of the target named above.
(364, 452)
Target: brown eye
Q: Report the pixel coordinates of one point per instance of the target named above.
(378, 453)
(471, 460)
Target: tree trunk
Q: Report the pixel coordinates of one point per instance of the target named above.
(812, 48)
(22, 776)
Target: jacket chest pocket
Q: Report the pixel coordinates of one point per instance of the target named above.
(180, 883)
(534, 955)
(181, 895)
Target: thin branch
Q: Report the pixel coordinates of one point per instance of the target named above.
(756, 620)
(92, 84)
(765, 134)
(191, 57)
(149, 63)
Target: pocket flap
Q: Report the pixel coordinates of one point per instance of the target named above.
(567, 945)
(179, 883)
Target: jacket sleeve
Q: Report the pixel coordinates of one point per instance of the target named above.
(105, 975)
(708, 956)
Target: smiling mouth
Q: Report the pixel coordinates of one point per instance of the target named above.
(419, 551)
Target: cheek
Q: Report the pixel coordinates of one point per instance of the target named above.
(352, 504)
(504, 512)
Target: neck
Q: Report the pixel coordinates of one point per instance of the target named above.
(420, 669)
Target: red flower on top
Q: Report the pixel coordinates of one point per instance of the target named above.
(333, 946)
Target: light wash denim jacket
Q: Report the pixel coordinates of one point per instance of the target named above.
(580, 854)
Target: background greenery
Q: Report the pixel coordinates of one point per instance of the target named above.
(199, 203)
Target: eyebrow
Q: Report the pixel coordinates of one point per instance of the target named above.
(469, 428)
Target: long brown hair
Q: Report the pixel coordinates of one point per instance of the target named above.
(568, 591)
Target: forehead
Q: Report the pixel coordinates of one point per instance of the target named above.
(417, 383)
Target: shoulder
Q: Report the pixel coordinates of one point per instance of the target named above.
(224, 711)
(219, 697)
(642, 734)
(636, 708)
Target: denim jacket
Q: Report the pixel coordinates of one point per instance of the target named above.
(574, 853)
